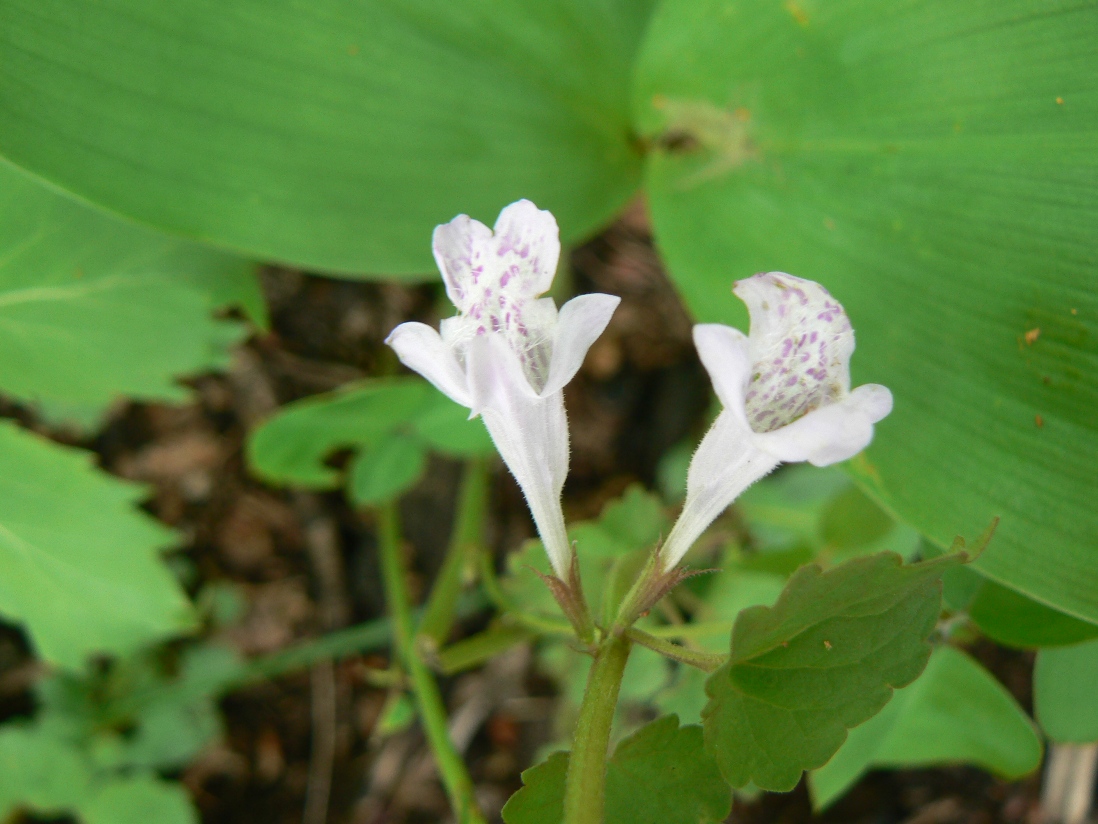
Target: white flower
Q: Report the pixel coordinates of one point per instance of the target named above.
(508, 353)
(786, 394)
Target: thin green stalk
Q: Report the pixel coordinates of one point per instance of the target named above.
(692, 632)
(466, 541)
(459, 787)
(585, 784)
(472, 652)
(707, 661)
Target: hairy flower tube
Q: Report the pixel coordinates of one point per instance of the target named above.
(785, 389)
(508, 353)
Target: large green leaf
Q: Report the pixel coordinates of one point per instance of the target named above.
(79, 563)
(659, 775)
(823, 659)
(334, 134)
(93, 308)
(932, 163)
(1064, 682)
(956, 712)
(1010, 618)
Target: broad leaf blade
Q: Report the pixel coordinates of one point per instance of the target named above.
(1064, 692)
(823, 659)
(92, 308)
(956, 712)
(80, 562)
(932, 164)
(1010, 618)
(332, 134)
(659, 775)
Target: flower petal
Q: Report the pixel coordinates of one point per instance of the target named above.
(422, 350)
(724, 465)
(724, 354)
(579, 324)
(800, 343)
(831, 433)
(876, 400)
(461, 248)
(531, 434)
(527, 247)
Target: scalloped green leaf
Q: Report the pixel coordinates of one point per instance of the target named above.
(292, 446)
(385, 470)
(139, 800)
(333, 134)
(659, 775)
(955, 713)
(823, 659)
(93, 308)
(39, 772)
(80, 565)
(933, 165)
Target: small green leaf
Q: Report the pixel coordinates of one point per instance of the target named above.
(636, 519)
(291, 447)
(40, 772)
(822, 510)
(93, 308)
(823, 659)
(81, 565)
(397, 715)
(139, 800)
(659, 775)
(445, 427)
(624, 534)
(1064, 693)
(385, 470)
(956, 712)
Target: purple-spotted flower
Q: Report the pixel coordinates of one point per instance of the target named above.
(508, 353)
(785, 389)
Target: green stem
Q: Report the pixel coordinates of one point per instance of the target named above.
(466, 541)
(472, 652)
(692, 632)
(459, 787)
(585, 784)
(708, 661)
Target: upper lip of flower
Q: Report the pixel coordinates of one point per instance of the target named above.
(495, 279)
(788, 382)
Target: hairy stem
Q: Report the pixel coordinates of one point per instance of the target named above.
(707, 661)
(585, 785)
(459, 787)
(466, 542)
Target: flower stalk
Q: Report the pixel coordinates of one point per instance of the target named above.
(585, 783)
(466, 543)
(428, 700)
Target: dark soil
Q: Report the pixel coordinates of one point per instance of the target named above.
(306, 563)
